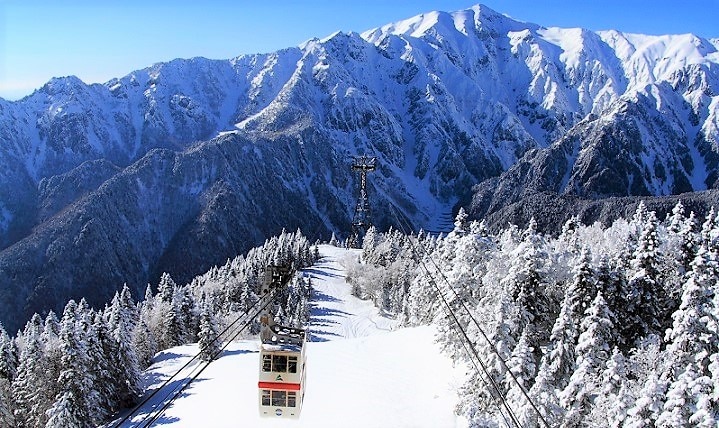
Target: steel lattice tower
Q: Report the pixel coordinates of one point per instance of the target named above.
(362, 216)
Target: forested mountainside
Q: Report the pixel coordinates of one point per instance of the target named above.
(596, 327)
(551, 210)
(181, 165)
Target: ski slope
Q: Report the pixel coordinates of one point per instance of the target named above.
(362, 370)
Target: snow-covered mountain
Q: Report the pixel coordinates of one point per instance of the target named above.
(178, 166)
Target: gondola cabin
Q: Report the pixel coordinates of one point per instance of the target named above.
(282, 371)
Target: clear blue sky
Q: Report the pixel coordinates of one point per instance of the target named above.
(97, 40)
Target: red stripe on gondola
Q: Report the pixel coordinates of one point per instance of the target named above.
(280, 386)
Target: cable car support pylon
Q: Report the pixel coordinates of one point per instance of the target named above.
(362, 219)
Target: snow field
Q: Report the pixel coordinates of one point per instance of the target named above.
(362, 371)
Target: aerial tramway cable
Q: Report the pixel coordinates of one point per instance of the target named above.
(177, 393)
(464, 334)
(486, 382)
(468, 342)
(492, 345)
(269, 297)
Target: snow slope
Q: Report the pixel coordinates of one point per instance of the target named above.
(363, 371)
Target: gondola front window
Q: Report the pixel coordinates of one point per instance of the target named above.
(279, 364)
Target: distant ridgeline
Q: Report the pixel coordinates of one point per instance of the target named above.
(551, 210)
(179, 166)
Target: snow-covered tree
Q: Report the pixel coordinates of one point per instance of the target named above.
(188, 315)
(166, 288)
(526, 284)
(7, 419)
(369, 242)
(569, 235)
(693, 338)
(648, 382)
(649, 403)
(558, 361)
(522, 364)
(682, 237)
(8, 356)
(170, 327)
(592, 354)
(614, 396)
(123, 319)
(144, 343)
(30, 403)
(210, 343)
(611, 282)
(477, 396)
(92, 330)
(645, 296)
(51, 325)
(71, 407)
(709, 227)
(460, 222)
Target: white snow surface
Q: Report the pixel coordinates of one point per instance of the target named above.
(362, 370)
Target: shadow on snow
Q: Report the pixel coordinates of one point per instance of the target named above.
(227, 353)
(321, 311)
(315, 336)
(318, 296)
(317, 273)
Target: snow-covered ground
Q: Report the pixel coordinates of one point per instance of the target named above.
(362, 371)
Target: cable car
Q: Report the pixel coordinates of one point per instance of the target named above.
(282, 370)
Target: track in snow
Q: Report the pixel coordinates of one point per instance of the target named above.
(360, 372)
(335, 313)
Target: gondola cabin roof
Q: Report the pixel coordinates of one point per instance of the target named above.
(287, 339)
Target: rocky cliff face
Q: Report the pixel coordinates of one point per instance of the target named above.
(650, 142)
(178, 166)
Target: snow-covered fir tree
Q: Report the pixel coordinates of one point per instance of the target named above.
(614, 397)
(523, 366)
(692, 340)
(29, 400)
(72, 406)
(593, 347)
(8, 356)
(645, 294)
(122, 322)
(209, 343)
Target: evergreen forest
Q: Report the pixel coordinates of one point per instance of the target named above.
(596, 327)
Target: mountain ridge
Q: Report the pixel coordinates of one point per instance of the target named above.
(182, 164)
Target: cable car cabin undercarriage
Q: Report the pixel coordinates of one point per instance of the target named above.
(282, 371)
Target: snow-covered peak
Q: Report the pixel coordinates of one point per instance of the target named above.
(66, 84)
(416, 26)
(436, 22)
(644, 59)
(647, 59)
